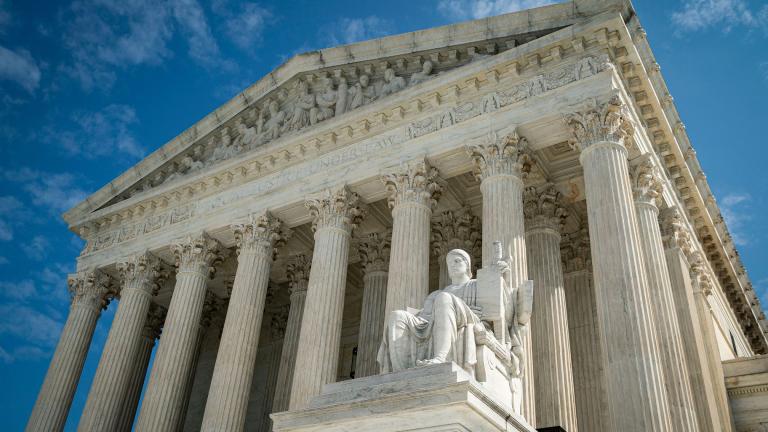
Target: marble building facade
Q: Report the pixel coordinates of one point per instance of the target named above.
(259, 252)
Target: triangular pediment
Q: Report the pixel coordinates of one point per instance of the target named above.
(313, 87)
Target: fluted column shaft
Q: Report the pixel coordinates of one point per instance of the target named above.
(164, 401)
(227, 402)
(141, 275)
(149, 334)
(273, 369)
(413, 191)
(675, 367)
(501, 165)
(695, 348)
(374, 256)
(586, 358)
(633, 375)
(318, 353)
(555, 402)
(298, 272)
(88, 291)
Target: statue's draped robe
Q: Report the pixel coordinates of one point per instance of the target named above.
(408, 338)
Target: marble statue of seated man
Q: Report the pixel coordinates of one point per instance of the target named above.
(443, 331)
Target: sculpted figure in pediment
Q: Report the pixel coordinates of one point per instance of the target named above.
(247, 136)
(342, 92)
(222, 147)
(426, 70)
(186, 166)
(361, 93)
(392, 83)
(274, 124)
(326, 102)
(299, 116)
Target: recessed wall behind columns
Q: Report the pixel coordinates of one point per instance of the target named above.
(538, 118)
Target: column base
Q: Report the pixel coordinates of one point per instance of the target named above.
(437, 397)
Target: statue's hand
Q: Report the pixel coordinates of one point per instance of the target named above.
(478, 310)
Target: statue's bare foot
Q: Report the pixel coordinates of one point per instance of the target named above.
(433, 361)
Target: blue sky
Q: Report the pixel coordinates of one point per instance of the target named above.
(87, 88)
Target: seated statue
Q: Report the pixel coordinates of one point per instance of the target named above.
(445, 329)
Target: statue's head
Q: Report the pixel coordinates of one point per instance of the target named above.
(458, 263)
(364, 80)
(426, 68)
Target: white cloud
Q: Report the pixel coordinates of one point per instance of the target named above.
(12, 212)
(100, 133)
(351, 30)
(246, 27)
(736, 212)
(6, 232)
(726, 14)
(475, 9)
(28, 324)
(109, 34)
(56, 192)
(37, 248)
(20, 290)
(19, 67)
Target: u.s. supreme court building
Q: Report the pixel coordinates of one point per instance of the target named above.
(497, 225)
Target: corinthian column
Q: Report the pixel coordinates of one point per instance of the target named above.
(298, 273)
(501, 163)
(374, 254)
(647, 188)
(335, 213)
(678, 244)
(150, 333)
(142, 275)
(413, 191)
(633, 376)
(455, 230)
(702, 289)
(232, 376)
(549, 321)
(164, 401)
(89, 290)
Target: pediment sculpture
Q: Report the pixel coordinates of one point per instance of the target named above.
(449, 326)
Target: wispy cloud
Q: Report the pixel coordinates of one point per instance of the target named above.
(736, 212)
(698, 15)
(19, 67)
(475, 9)
(56, 192)
(351, 30)
(243, 24)
(94, 134)
(12, 212)
(37, 249)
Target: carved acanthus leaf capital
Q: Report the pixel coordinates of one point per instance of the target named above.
(198, 253)
(646, 181)
(335, 208)
(700, 278)
(543, 208)
(298, 273)
(575, 251)
(675, 231)
(374, 251)
(92, 288)
(605, 122)
(153, 327)
(143, 271)
(414, 182)
(457, 230)
(263, 233)
(505, 155)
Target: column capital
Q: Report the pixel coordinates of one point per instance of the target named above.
(298, 273)
(603, 122)
(90, 288)
(197, 253)
(457, 230)
(501, 155)
(153, 327)
(263, 233)
(143, 271)
(675, 232)
(700, 278)
(575, 252)
(415, 182)
(646, 181)
(337, 208)
(374, 251)
(543, 208)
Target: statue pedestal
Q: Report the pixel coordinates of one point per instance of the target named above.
(430, 398)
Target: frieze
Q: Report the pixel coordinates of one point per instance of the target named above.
(583, 68)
